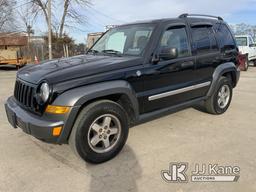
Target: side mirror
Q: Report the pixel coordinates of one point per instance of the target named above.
(168, 53)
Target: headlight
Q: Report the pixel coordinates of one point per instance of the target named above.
(44, 92)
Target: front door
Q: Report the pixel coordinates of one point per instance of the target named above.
(170, 81)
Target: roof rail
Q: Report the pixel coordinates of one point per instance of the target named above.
(185, 15)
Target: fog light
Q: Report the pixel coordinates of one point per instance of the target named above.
(57, 109)
(56, 131)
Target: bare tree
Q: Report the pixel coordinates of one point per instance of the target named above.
(70, 13)
(7, 15)
(27, 16)
(70, 10)
(41, 5)
(63, 18)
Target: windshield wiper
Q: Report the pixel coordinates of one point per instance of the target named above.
(112, 51)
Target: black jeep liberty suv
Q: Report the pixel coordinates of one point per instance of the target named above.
(132, 73)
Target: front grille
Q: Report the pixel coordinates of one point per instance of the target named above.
(24, 94)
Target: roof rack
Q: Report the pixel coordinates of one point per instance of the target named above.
(185, 15)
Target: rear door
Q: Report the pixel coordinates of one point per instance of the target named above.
(205, 48)
(227, 43)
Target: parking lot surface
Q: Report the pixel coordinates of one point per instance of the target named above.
(191, 136)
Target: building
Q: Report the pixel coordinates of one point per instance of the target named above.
(92, 38)
(11, 41)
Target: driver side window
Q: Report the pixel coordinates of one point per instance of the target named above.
(176, 38)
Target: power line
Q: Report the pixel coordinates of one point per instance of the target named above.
(107, 16)
(21, 5)
(97, 19)
(13, 8)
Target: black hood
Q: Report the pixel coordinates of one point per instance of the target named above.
(61, 70)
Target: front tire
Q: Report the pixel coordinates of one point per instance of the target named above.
(100, 131)
(220, 100)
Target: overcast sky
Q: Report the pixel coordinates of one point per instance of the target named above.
(106, 12)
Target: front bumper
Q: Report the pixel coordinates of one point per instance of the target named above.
(37, 126)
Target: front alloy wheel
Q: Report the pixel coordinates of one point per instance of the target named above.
(104, 133)
(100, 131)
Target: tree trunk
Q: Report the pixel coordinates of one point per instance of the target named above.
(66, 5)
(43, 7)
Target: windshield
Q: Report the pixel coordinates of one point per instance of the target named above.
(124, 40)
(241, 41)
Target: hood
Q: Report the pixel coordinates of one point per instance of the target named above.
(56, 71)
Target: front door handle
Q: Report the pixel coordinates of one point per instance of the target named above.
(187, 64)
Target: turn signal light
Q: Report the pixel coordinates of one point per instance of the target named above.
(57, 109)
(56, 131)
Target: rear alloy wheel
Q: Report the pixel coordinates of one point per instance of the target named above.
(100, 131)
(246, 64)
(223, 96)
(220, 100)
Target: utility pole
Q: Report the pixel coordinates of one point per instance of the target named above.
(29, 31)
(50, 28)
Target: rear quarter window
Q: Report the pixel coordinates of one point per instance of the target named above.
(204, 39)
(225, 37)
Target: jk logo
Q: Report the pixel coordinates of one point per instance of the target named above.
(176, 173)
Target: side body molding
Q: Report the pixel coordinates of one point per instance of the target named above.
(219, 71)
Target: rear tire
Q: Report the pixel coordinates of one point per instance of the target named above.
(246, 65)
(100, 131)
(220, 100)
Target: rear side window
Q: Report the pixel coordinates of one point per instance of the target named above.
(225, 37)
(204, 40)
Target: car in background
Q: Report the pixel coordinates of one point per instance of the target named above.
(242, 62)
(247, 47)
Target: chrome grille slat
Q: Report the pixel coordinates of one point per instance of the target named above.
(24, 94)
(15, 89)
(28, 96)
(18, 91)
